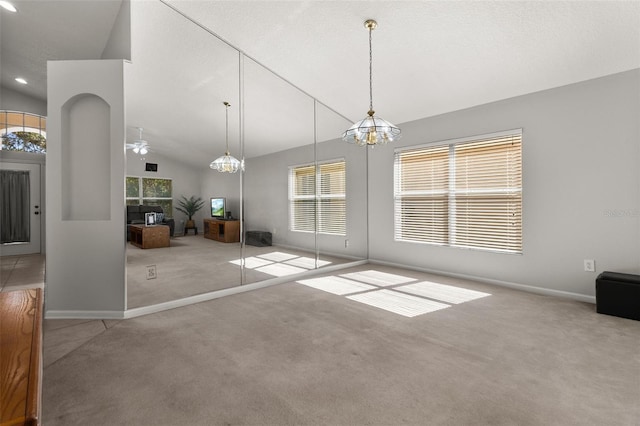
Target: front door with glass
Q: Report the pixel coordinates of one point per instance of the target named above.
(19, 209)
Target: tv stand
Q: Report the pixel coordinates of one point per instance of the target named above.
(225, 231)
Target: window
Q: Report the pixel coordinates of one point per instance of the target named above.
(150, 191)
(329, 183)
(465, 193)
(21, 131)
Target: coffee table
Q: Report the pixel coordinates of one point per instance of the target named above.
(147, 237)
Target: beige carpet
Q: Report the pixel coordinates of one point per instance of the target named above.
(303, 354)
(195, 265)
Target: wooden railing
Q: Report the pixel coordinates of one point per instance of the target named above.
(20, 357)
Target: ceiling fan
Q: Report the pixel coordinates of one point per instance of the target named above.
(139, 146)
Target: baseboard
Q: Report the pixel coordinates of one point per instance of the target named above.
(186, 301)
(516, 286)
(98, 315)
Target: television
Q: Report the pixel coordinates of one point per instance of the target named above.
(218, 207)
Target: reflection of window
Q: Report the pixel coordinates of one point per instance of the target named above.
(150, 191)
(466, 193)
(21, 131)
(328, 182)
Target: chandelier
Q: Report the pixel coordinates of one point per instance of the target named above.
(227, 163)
(372, 130)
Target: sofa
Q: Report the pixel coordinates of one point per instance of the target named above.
(135, 216)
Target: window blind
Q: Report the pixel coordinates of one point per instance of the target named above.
(302, 190)
(463, 194)
(324, 187)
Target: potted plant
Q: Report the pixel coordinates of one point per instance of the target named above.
(190, 206)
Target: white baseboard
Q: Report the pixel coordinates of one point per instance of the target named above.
(97, 315)
(146, 310)
(152, 309)
(528, 288)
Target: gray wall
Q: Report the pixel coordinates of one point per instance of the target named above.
(581, 147)
(119, 43)
(14, 101)
(85, 255)
(216, 184)
(267, 205)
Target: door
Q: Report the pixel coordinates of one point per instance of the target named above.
(19, 209)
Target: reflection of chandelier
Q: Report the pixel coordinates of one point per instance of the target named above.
(227, 163)
(371, 130)
(139, 146)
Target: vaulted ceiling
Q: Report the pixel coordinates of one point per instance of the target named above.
(429, 58)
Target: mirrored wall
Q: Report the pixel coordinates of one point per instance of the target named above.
(300, 203)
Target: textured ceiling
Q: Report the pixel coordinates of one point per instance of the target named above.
(429, 57)
(50, 30)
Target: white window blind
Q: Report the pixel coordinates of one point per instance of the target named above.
(324, 187)
(464, 194)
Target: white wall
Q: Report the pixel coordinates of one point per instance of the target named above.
(581, 147)
(267, 205)
(85, 257)
(119, 43)
(15, 101)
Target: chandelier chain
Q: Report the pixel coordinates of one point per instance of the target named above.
(370, 72)
(226, 137)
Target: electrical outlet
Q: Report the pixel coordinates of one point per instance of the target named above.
(589, 265)
(151, 272)
(346, 243)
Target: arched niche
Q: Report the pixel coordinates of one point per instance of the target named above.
(86, 158)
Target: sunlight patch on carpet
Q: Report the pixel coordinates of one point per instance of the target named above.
(336, 285)
(306, 262)
(252, 262)
(280, 270)
(442, 292)
(398, 303)
(277, 256)
(380, 279)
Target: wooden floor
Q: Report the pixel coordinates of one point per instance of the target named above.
(21, 355)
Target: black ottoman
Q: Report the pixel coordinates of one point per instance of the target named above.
(258, 238)
(618, 294)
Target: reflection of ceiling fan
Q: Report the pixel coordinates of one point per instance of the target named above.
(139, 146)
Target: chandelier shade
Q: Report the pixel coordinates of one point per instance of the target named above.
(227, 163)
(372, 130)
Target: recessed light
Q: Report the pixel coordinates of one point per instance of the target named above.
(21, 80)
(8, 6)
